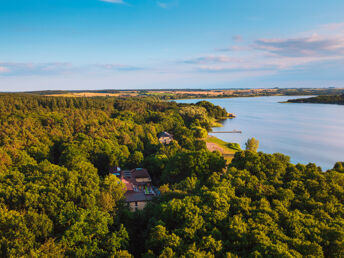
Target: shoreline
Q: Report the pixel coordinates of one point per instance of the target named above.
(232, 97)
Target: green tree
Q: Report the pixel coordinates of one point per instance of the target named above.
(135, 159)
(252, 144)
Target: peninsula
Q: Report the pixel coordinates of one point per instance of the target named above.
(329, 99)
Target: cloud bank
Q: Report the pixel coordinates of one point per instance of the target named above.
(313, 46)
(277, 54)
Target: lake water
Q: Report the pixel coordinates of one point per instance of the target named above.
(305, 132)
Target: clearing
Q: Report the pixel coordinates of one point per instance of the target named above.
(227, 149)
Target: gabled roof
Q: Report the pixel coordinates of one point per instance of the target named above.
(128, 184)
(137, 197)
(128, 177)
(165, 134)
(140, 173)
(134, 179)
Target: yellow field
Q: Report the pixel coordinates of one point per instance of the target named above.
(91, 94)
(189, 93)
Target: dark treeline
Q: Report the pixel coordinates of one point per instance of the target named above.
(328, 99)
(57, 198)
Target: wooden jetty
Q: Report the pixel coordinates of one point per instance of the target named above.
(235, 131)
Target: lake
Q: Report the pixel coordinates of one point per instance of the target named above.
(305, 132)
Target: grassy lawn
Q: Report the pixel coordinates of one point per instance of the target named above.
(230, 147)
(217, 124)
(227, 149)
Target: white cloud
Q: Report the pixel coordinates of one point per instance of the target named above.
(313, 46)
(332, 27)
(58, 68)
(234, 48)
(4, 69)
(13, 69)
(278, 54)
(166, 4)
(246, 60)
(237, 38)
(118, 67)
(162, 5)
(208, 59)
(113, 1)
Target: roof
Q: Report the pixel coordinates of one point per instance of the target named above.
(137, 197)
(140, 173)
(138, 185)
(128, 185)
(165, 134)
(128, 177)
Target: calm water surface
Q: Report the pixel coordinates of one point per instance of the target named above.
(305, 132)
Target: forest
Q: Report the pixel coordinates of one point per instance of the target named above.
(326, 99)
(57, 198)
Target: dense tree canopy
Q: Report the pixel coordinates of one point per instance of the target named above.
(262, 206)
(57, 198)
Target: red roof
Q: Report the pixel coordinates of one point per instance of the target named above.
(127, 184)
(135, 191)
(129, 178)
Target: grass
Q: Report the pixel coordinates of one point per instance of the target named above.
(216, 124)
(227, 149)
(230, 147)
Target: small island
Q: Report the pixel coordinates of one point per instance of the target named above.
(326, 99)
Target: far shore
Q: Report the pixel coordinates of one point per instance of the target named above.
(183, 94)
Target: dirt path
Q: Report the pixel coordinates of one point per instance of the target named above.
(213, 147)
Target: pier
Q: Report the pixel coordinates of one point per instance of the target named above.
(235, 131)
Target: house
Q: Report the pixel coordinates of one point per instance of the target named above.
(139, 187)
(165, 138)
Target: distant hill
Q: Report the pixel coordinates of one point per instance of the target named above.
(332, 99)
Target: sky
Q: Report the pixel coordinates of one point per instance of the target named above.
(163, 44)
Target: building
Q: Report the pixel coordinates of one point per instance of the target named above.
(165, 138)
(139, 187)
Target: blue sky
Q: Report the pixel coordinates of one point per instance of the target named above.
(131, 44)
